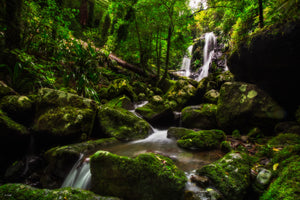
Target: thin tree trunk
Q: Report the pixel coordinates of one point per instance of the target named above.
(168, 53)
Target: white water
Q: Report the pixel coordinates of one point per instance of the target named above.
(186, 63)
(208, 52)
(80, 175)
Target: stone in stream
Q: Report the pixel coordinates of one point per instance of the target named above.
(202, 140)
(230, 175)
(148, 176)
(122, 124)
(21, 191)
(202, 116)
(178, 132)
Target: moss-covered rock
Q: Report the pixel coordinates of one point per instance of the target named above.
(121, 102)
(211, 96)
(178, 132)
(288, 127)
(5, 90)
(66, 122)
(202, 140)
(182, 92)
(21, 191)
(287, 185)
(61, 159)
(122, 124)
(243, 106)
(285, 139)
(49, 98)
(156, 114)
(230, 175)
(19, 108)
(10, 128)
(202, 116)
(148, 176)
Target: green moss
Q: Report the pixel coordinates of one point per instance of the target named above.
(9, 127)
(178, 132)
(202, 140)
(284, 139)
(230, 175)
(122, 124)
(148, 176)
(20, 192)
(287, 185)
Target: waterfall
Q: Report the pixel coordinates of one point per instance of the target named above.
(80, 175)
(208, 52)
(186, 63)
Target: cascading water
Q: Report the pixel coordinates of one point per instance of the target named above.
(80, 175)
(186, 63)
(208, 52)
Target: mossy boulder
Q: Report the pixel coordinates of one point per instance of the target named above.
(182, 92)
(160, 114)
(244, 106)
(122, 124)
(230, 175)
(21, 191)
(178, 132)
(148, 176)
(19, 108)
(121, 102)
(202, 116)
(287, 185)
(202, 140)
(61, 159)
(50, 98)
(6, 90)
(65, 123)
(285, 139)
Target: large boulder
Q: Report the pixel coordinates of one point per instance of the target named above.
(148, 176)
(21, 191)
(65, 124)
(122, 124)
(202, 140)
(269, 58)
(178, 132)
(244, 106)
(230, 175)
(202, 116)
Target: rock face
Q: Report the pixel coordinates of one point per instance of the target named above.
(20, 191)
(202, 116)
(148, 176)
(122, 124)
(242, 106)
(271, 61)
(230, 175)
(202, 140)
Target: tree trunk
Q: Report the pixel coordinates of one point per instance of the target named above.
(168, 53)
(261, 13)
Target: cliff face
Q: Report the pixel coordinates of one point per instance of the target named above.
(270, 59)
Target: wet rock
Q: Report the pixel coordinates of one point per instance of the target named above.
(230, 175)
(21, 191)
(148, 176)
(122, 124)
(201, 181)
(201, 117)
(264, 177)
(178, 132)
(156, 100)
(202, 140)
(243, 106)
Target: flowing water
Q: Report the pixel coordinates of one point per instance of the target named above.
(208, 52)
(186, 63)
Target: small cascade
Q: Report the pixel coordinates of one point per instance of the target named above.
(208, 53)
(186, 63)
(80, 175)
